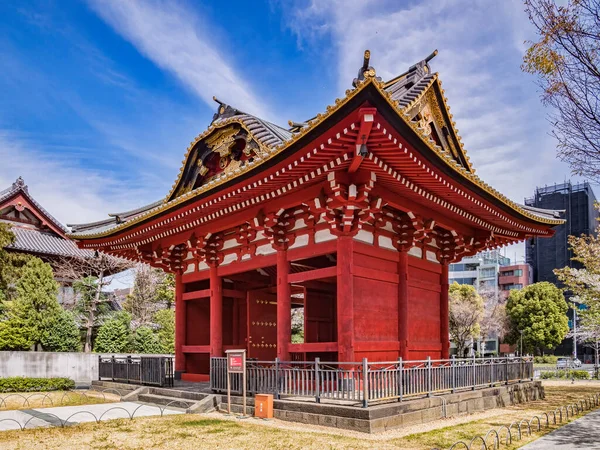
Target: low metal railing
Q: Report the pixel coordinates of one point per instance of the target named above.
(371, 381)
(149, 370)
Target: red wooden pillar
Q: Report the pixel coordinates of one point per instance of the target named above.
(403, 303)
(179, 324)
(345, 298)
(284, 306)
(444, 315)
(216, 313)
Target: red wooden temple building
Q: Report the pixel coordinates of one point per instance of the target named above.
(353, 216)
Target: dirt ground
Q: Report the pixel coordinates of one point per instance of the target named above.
(218, 431)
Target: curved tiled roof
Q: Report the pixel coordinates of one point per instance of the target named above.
(401, 92)
(19, 187)
(39, 242)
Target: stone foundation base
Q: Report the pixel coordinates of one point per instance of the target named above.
(398, 414)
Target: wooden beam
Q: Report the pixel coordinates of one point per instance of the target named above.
(234, 293)
(377, 346)
(317, 274)
(316, 347)
(196, 349)
(375, 274)
(196, 295)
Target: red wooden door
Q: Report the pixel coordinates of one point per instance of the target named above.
(262, 325)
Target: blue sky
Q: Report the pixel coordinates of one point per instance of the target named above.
(100, 99)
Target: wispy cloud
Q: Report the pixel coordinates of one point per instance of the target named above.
(495, 105)
(68, 191)
(171, 36)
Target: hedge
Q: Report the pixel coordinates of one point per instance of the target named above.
(546, 359)
(577, 374)
(21, 384)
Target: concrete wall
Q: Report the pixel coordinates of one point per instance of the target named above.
(80, 367)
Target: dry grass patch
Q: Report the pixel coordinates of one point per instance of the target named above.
(28, 400)
(219, 432)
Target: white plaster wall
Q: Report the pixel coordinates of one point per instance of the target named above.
(79, 367)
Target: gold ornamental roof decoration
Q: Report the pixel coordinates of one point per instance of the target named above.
(268, 153)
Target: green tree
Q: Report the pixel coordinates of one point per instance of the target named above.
(539, 313)
(63, 335)
(152, 290)
(32, 314)
(146, 341)
(11, 266)
(466, 308)
(165, 319)
(114, 336)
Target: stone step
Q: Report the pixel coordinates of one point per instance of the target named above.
(121, 387)
(237, 409)
(166, 401)
(175, 393)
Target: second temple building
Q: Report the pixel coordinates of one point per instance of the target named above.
(353, 215)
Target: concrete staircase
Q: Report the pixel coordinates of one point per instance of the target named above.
(112, 387)
(171, 397)
(192, 402)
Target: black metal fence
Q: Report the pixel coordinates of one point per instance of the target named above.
(150, 370)
(371, 381)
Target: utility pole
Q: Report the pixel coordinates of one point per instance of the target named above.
(521, 351)
(574, 331)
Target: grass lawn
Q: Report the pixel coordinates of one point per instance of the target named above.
(219, 432)
(27, 400)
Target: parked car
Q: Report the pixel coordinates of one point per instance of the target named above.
(567, 363)
(562, 363)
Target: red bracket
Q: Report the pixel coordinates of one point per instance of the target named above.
(367, 118)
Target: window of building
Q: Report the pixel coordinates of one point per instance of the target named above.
(515, 286)
(488, 272)
(518, 273)
(508, 273)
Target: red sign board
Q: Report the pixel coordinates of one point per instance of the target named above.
(235, 362)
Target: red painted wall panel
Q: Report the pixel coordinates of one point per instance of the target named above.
(320, 316)
(423, 311)
(375, 310)
(197, 323)
(372, 262)
(227, 320)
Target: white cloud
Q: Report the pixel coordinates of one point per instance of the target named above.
(69, 192)
(171, 36)
(495, 105)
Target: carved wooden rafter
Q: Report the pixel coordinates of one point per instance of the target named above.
(246, 233)
(277, 227)
(347, 205)
(209, 248)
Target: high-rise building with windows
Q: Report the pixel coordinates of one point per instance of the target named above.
(480, 270)
(544, 255)
(577, 201)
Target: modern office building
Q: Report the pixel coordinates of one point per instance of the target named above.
(544, 255)
(577, 201)
(515, 276)
(481, 270)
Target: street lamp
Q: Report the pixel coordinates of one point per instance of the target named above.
(521, 351)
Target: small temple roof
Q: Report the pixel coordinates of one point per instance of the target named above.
(30, 238)
(38, 242)
(402, 92)
(19, 187)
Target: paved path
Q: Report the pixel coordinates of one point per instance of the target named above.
(582, 433)
(44, 417)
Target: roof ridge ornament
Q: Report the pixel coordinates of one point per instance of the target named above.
(225, 111)
(366, 71)
(19, 184)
